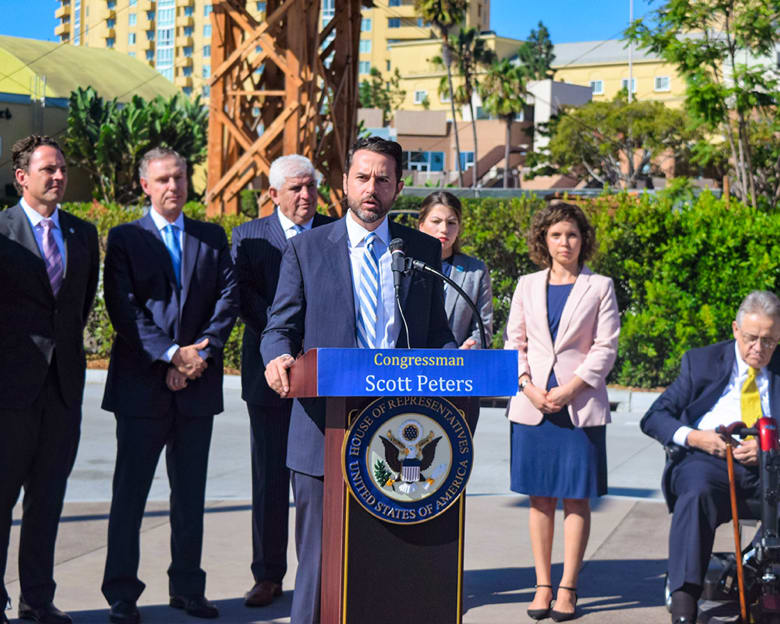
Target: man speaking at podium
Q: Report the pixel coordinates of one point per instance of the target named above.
(336, 290)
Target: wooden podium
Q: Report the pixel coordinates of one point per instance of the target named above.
(380, 571)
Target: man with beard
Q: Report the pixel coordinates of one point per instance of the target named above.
(336, 290)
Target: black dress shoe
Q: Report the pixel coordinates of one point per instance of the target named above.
(196, 607)
(565, 616)
(124, 612)
(47, 614)
(540, 614)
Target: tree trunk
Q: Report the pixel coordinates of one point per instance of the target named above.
(447, 57)
(474, 131)
(506, 149)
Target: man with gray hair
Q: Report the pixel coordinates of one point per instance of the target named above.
(172, 299)
(735, 380)
(257, 253)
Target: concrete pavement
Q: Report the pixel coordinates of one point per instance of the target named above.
(624, 564)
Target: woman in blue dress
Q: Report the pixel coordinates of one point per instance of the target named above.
(564, 323)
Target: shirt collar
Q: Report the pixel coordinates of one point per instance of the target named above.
(742, 366)
(36, 217)
(289, 224)
(161, 222)
(357, 233)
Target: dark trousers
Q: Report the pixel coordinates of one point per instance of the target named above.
(308, 492)
(701, 484)
(37, 450)
(139, 444)
(270, 491)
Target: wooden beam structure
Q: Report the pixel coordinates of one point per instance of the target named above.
(287, 85)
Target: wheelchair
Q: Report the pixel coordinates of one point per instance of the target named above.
(760, 560)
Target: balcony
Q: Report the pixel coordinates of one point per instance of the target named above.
(104, 13)
(62, 30)
(63, 11)
(110, 33)
(145, 44)
(146, 5)
(144, 23)
(183, 81)
(184, 61)
(185, 20)
(184, 41)
(185, 3)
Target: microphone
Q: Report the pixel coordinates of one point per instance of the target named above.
(397, 261)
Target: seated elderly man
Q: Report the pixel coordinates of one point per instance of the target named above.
(718, 384)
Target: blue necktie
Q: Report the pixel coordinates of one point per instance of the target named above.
(171, 239)
(368, 296)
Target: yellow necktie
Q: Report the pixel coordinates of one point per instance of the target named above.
(750, 400)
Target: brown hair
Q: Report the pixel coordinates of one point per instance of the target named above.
(22, 152)
(445, 199)
(379, 145)
(555, 212)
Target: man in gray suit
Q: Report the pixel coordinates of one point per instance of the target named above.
(48, 277)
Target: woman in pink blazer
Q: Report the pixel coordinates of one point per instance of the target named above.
(564, 324)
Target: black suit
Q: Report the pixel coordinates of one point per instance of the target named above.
(257, 253)
(42, 368)
(695, 483)
(150, 314)
(314, 307)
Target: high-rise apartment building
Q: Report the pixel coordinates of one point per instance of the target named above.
(174, 36)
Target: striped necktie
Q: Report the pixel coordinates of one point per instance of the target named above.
(171, 239)
(52, 256)
(750, 400)
(368, 296)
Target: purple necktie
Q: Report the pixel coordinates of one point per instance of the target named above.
(52, 256)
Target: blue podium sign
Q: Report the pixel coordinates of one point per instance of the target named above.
(416, 372)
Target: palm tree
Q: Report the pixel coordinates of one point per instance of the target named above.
(503, 95)
(469, 52)
(443, 15)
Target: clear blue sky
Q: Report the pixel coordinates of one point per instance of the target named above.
(567, 20)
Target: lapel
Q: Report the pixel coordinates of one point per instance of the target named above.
(722, 367)
(458, 276)
(581, 286)
(275, 233)
(406, 280)
(19, 230)
(539, 305)
(337, 258)
(189, 258)
(70, 241)
(774, 385)
(157, 245)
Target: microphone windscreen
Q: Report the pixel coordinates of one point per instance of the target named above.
(397, 244)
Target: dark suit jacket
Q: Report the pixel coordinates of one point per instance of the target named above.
(257, 254)
(149, 315)
(34, 324)
(314, 307)
(704, 374)
(474, 278)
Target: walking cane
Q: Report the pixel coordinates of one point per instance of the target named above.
(737, 542)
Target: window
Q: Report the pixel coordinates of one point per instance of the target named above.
(167, 72)
(189, 11)
(365, 46)
(444, 97)
(394, 3)
(205, 90)
(131, 39)
(187, 90)
(150, 55)
(164, 56)
(394, 22)
(364, 67)
(387, 65)
(132, 19)
(207, 9)
(150, 16)
(261, 7)
(597, 87)
(165, 36)
(207, 30)
(133, 2)
(110, 4)
(187, 51)
(421, 23)
(207, 51)
(420, 95)
(662, 83)
(188, 30)
(186, 71)
(206, 71)
(111, 23)
(624, 84)
(109, 42)
(365, 24)
(150, 35)
(466, 160)
(423, 161)
(131, 54)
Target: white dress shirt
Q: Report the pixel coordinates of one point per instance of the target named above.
(161, 223)
(35, 219)
(289, 226)
(387, 324)
(728, 408)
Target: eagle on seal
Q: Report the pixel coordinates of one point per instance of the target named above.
(409, 461)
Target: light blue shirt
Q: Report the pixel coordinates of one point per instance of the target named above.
(387, 323)
(35, 219)
(289, 226)
(161, 223)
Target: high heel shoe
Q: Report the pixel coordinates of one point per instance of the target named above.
(540, 614)
(565, 616)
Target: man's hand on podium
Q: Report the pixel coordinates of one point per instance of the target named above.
(276, 374)
(469, 343)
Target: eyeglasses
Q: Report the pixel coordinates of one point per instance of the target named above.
(766, 343)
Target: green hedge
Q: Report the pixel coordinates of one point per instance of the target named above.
(681, 266)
